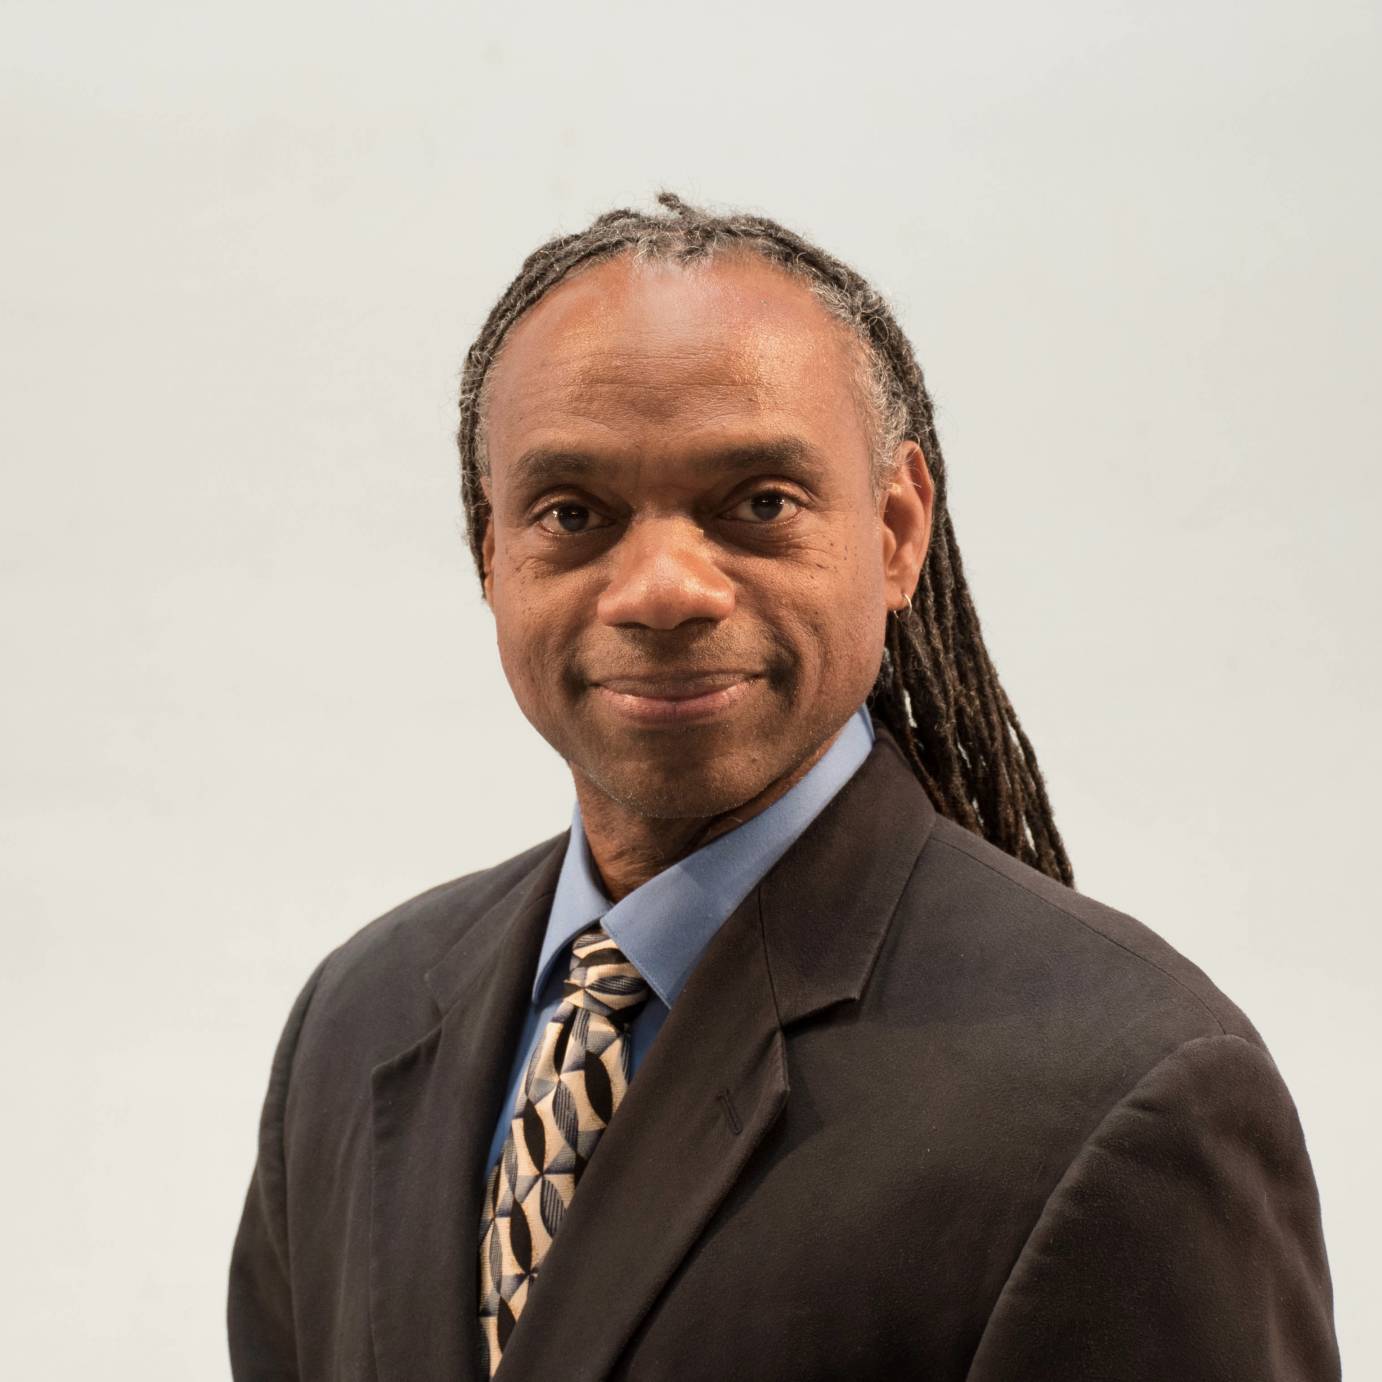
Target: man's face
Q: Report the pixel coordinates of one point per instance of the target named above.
(687, 564)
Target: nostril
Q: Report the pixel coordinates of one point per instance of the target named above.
(666, 595)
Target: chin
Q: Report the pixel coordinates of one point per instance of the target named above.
(685, 793)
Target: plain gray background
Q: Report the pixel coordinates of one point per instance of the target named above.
(251, 695)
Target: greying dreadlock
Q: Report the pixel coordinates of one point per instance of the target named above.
(937, 689)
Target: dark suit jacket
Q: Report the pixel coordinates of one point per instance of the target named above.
(920, 1112)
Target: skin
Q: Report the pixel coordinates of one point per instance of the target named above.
(687, 563)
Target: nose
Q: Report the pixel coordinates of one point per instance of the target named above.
(664, 576)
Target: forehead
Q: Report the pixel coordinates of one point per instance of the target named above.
(641, 350)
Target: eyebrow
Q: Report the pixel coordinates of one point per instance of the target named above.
(789, 456)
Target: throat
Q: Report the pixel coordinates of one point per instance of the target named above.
(629, 848)
(626, 858)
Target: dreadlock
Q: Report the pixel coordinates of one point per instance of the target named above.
(937, 688)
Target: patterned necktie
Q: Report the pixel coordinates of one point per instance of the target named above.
(575, 1079)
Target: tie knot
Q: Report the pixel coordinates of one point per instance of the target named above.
(603, 979)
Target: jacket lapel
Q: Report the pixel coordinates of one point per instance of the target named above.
(434, 1110)
(715, 1080)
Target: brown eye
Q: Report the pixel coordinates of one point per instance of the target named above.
(570, 518)
(767, 506)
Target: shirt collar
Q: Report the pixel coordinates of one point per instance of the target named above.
(663, 926)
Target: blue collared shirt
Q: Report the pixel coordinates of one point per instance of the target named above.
(664, 925)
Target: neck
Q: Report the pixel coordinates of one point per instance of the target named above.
(629, 849)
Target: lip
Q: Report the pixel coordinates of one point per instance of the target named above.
(675, 699)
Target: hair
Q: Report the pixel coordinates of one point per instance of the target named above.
(937, 688)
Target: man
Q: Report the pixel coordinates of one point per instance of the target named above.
(797, 1056)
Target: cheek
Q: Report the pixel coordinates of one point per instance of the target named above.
(835, 592)
(842, 616)
(516, 632)
(535, 629)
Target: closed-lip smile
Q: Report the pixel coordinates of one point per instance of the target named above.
(673, 686)
(674, 697)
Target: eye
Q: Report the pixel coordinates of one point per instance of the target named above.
(767, 506)
(570, 517)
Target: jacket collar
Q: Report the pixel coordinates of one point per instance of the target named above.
(709, 1090)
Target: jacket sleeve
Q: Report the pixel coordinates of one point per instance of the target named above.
(259, 1311)
(1184, 1241)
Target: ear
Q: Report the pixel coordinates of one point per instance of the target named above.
(905, 509)
(487, 543)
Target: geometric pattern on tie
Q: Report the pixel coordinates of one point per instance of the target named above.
(575, 1080)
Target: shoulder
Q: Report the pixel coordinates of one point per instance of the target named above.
(408, 939)
(1048, 1004)
(370, 994)
(992, 924)
(1088, 949)
(1048, 1010)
